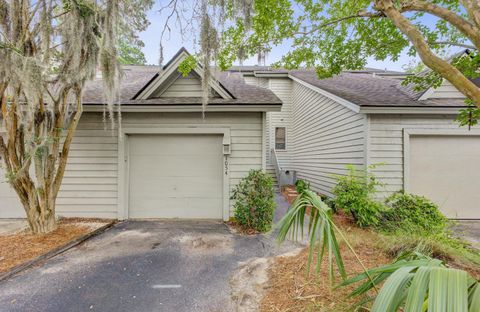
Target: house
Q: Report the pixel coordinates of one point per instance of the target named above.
(368, 117)
(170, 162)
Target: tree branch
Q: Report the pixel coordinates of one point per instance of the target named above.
(464, 26)
(68, 141)
(445, 69)
(473, 10)
(452, 43)
(361, 14)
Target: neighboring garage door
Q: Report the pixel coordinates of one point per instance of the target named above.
(10, 206)
(446, 169)
(175, 176)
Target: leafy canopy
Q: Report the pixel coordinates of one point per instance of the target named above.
(336, 35)
(332, 35)
(130, 54)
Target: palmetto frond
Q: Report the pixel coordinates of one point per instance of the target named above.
(321, 230)
(419, 284)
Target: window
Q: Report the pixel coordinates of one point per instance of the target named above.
(280, 138)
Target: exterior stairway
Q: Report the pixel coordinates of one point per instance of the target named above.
(271, 171)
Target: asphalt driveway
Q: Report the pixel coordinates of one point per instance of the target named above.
(141, 266)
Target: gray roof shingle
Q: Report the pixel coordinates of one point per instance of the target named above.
(369, 87)
(135, 78)
(366, 89)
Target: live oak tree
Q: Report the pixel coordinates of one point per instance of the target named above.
(49, 49)
(334, 35)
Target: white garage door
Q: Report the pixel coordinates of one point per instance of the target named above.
(446, 169)
(10, 206)
(175, 176)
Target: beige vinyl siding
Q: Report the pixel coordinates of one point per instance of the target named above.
(90, 184)
(445, 91)
(386, 144)
(263, 83)
(256, 81)
(189, 86)
(327, 137)
(282, 87)
(89, 188)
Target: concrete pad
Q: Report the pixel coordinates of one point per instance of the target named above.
(9, 226)
(469, 230)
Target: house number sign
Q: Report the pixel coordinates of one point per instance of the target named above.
(226, 165)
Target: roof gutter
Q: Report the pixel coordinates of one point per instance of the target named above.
(183, 108)
(410, 110)
(270, 75)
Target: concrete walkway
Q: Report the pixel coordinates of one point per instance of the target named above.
(142, 266)
(469, 230)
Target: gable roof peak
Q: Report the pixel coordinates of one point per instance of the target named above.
(170, 73)
(181, 51)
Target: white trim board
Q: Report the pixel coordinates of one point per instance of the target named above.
(264, 140)
(408, 132)
(411, 110)
(123, 162)
(167, 108)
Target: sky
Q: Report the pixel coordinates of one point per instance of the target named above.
(151, 38)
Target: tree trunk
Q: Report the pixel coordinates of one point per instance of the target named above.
(42, 154)
(41, 222)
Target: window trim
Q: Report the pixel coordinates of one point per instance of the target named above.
(275, 138)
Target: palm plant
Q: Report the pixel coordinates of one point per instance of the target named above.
(415, 282)
(321, 229)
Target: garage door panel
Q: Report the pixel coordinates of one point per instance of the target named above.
(186, 208)
(10, 206)
(6, 190)
(178, 186)
(446, 169)
(175, 176)
(142, 145)
(176, 166)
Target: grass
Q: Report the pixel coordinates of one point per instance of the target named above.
(452, 251)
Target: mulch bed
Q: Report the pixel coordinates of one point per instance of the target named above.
(289, 288)
(23, 246)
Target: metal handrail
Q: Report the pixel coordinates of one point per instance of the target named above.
(276, 165)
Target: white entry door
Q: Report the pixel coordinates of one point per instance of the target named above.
(175, 176)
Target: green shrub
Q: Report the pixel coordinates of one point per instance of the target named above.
(301, 185)
(413, 213)
(353, 193)
(441, 246)
(254, 201)
(415, 224)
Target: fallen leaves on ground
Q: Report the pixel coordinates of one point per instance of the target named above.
(20, 247)
(289, 288)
